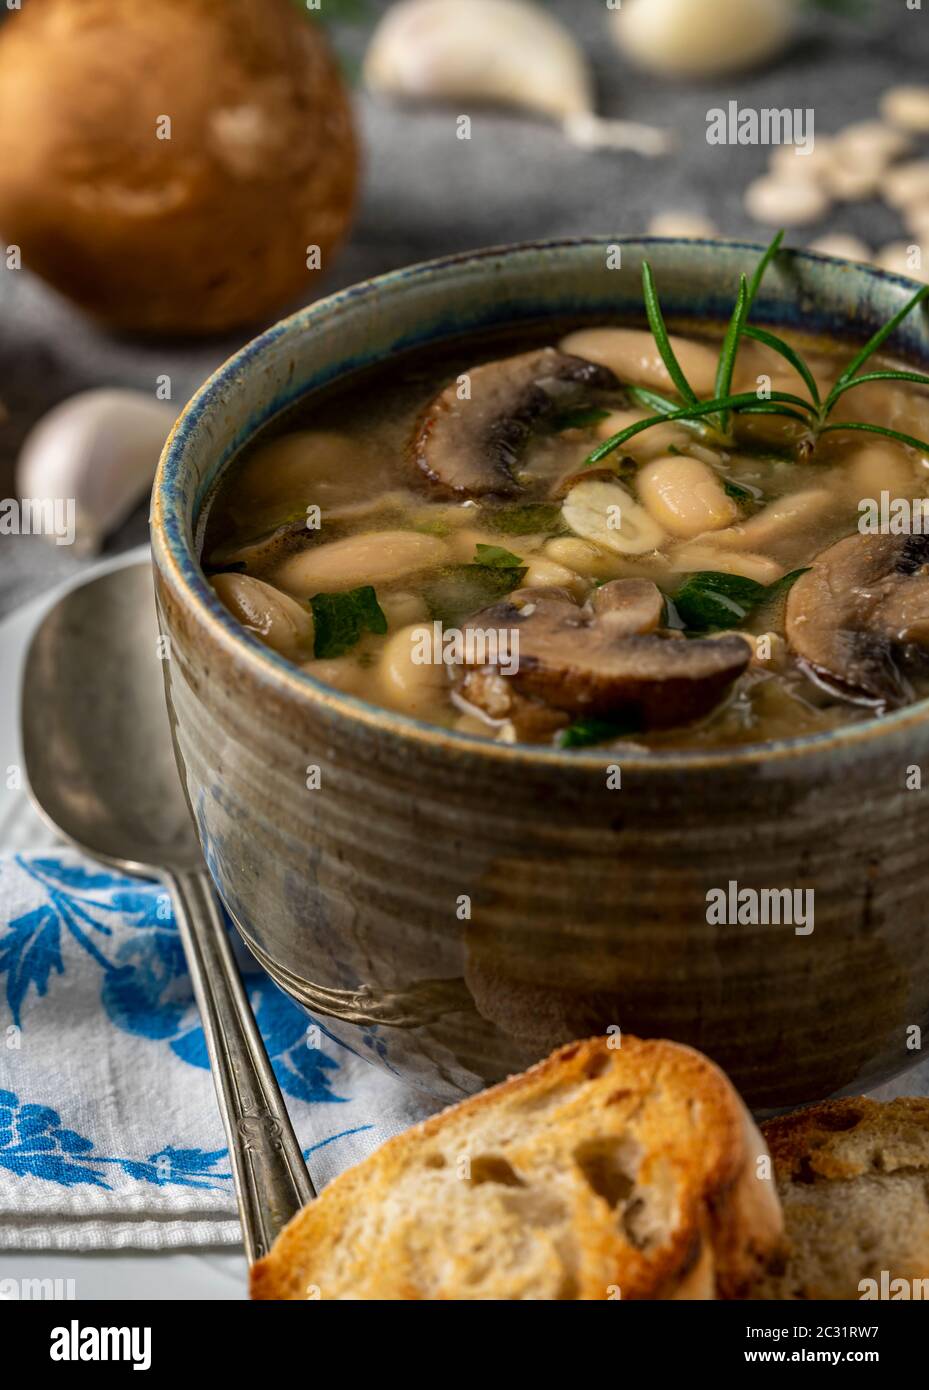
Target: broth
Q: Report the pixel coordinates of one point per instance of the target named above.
(429, 538)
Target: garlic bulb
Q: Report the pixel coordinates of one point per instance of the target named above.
(504, 51)
(702, 38)
(97, 450)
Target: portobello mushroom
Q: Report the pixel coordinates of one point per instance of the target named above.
(602, 660)
(471, 447)
(858, 620)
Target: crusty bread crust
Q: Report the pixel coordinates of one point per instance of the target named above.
(853, 1178)
(602, 1172)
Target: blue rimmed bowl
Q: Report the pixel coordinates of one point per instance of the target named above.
(453, 908)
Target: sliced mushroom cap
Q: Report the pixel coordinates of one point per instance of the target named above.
(573, 659)
(628, 606)
(858, 620)
(471, 446)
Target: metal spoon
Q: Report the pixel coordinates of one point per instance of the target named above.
(100, 765)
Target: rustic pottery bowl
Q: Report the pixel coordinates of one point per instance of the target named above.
(453, 908)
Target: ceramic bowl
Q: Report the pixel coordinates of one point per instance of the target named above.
(453, 908)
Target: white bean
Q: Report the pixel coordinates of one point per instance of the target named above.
(651, 442)
(581, 557)
(907, 107)
(903, 258)
(684, 496)
(779, 201)
(633, 356)
(542, 573)
(682, 224)
(408, 685)
(778, 521)
(694, 556)
(376, 557)
(906, 183)
(842, 245)
(281, 623)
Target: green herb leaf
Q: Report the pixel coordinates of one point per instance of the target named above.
(340, 619)
(459, 591)
(760, 335)
(585, 732)
(871, 346)
(523, 518)
(762, 266)
(710, 599)
(737, 492)
(910, 439)
(496, 557)
(918, 377)
(726, 365)
(743, 399)
(580, 419)
(660, 333)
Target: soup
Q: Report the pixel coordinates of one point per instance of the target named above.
(446, 537)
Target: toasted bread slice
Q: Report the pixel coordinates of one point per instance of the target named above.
(603, 1172)
(853, 1178)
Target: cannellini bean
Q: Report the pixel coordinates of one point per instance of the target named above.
(907, 107)
(791, 164)
(376, 557)
(651, 442)
(407, 684)
(916, 219)
(852, 182)
(872, 468)
(870, 142)
(778, 521)
(632, 354)
(344, 672)
(402, 608)
(606, 514)
(581, 557)
(463, 544)
(906, 183)
(780, 201)
(842, 245)
(543, 573)
(685, 496)
(682, 224)
(693, 555)
(281, 623)
(903, 258)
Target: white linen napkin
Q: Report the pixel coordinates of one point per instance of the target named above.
(109, 1133)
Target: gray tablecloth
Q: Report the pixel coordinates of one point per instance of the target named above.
(427, 193)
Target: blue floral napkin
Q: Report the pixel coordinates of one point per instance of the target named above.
(109, 1133)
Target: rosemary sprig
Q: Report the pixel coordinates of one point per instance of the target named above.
(715, 416)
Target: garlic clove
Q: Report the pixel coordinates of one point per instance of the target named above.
(701, 38)
(97, 451)
(497, 51)
(501, 50)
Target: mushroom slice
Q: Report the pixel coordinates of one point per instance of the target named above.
(471, 446)
(572, 659)
(858, 620)
(628, 606)
(607, 514)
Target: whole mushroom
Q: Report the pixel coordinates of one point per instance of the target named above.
(171, 167)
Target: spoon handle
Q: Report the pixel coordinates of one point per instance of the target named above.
(271, 1178)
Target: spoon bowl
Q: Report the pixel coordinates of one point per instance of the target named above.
(100, 764)
(96, 736)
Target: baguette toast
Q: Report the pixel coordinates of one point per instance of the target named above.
(853, 1178)
(604, 1172)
